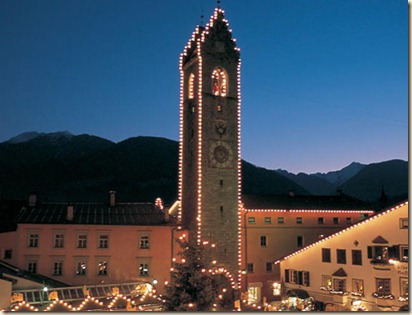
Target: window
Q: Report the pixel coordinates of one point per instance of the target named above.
(306, 277)
(57, 268)
(33, 240)
(299, 220)
(378, 254)
(7, 254)
(341, 256)
(327, 282)
(291, 276)
(383, 287)
(404, 253)
(321, 220)
(339, 285)
(58, 240)
(348, 221)
(356, 257)
(403, 223)
(82, 241)
(281, 220)
(269, 266)
(102, 268)
(32, 266)
(326, 257)
(357, 287)
(263, 241)
(251, 220)
(81, 268)
(250, 267)
(191, 86)
(104, 241)
(219, 82)
(364, 216)
(404, 287)
(143, 269)
(268, 220)
(299, 241)
(144, 242)
(335, 221)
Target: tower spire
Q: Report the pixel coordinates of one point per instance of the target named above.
(218, 4)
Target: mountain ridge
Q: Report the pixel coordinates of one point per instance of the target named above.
(63, 166)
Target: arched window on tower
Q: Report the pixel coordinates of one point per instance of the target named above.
(191, 86)
(219, 82)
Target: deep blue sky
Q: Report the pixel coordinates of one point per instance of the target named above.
(324, 82)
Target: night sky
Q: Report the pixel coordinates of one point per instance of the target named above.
(324, 82)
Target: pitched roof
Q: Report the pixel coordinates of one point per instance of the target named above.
(366, 221)
(304, 202)
(7, 269)
(95, 214)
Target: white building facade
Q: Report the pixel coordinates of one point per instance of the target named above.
(363, 267)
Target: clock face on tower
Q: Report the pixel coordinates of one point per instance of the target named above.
(220, 154)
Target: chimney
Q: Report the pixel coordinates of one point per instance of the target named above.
(112, 198)
(70, 212)
(32, 199)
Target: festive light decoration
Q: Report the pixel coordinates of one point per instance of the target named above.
(23, 305)
(310, 211)
(343, 231)
(159, 203)
(58, 302)
(88, 299)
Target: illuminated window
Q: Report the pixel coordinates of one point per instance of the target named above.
(32, 266)
(251, 220)
(341, 256)
(102, 268)
(268, 220)
(326, 257)
(33, 240)
(81, 268)
(58, 240)
(357, 287)
(144, 242)
(57, 268)
(404, 287)
(356, 257)
(281, 220)
(144, 269)
(191, 86)
(299, 220)
(104, 241)
(378, 254)
(383, 286)
(219, 82)
(327, 282)
(81, 241)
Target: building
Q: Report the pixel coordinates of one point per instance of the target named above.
(274, 226)
(209, 151)
(364, 266)
(85, 243)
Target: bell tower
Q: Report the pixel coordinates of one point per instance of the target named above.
(209, 152)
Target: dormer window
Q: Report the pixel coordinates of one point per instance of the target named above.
(191, 86)
(219, 82)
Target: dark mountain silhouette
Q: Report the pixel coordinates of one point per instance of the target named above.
(390, 177)
(64, 167)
